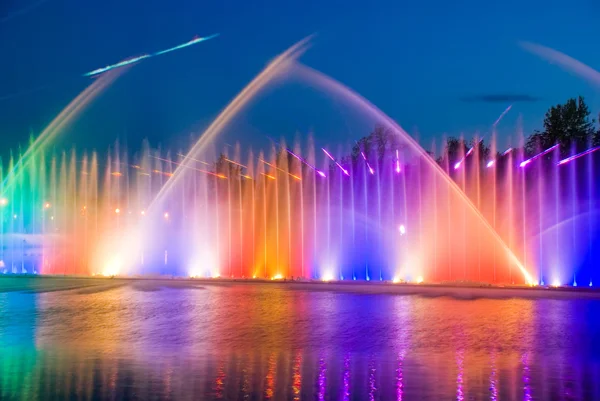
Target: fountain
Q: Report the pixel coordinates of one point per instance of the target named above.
(382, 210)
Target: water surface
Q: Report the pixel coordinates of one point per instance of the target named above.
(145, 340)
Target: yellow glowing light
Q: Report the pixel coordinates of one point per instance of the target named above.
(277, 277)
(216, 275)
(268, 176)
(47, 205)
(51, 217)
(112, 268)
(116, 174)
(327, 277)
(555, 283)
(3, 201)
(396, 280)
(254, 276)
(166, 215)
(419, 279)
(117, 210)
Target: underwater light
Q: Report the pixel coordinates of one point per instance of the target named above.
(419, 279)
(112, 268)
(327, 277)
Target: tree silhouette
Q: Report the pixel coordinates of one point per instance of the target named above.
(380, 141)
(455, 149)
(567, 125)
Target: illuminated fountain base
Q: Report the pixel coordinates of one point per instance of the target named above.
(459, 289)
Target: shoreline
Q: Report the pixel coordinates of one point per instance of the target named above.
(52, 283)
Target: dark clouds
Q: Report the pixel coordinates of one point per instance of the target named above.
(499, 98)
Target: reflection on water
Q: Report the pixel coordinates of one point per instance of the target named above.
(263, 342)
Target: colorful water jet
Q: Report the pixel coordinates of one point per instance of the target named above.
(385, 211)
(272, 217)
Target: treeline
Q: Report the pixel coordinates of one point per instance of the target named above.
(568, 125)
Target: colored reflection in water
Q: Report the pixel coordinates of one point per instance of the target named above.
(372, 381)
(526, 378)
(399, 378)
(219, 382)
(322, 380)
(460, 393)
(493, 378)
(297, 376)
(270, 379)
(346, 379)
(163, 340)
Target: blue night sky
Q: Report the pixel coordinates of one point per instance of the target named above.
(414, 60)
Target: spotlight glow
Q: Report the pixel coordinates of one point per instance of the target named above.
(133, 60)
(556, 283)
(577, 156)
(490, 164)
(195, 273)
(277, 168)
(3, 201)
(366, 161)
(327, 277)
(541, 154)
(419, 279)
(277, 277)
(322, 174)
(112, 268)
(336, 163)
(402, 229)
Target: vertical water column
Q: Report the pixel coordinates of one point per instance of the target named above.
(574, 209)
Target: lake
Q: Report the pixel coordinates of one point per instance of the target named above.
(188, 340)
